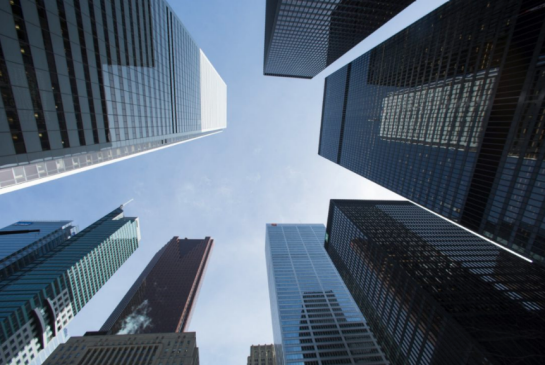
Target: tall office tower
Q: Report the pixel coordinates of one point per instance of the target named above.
(149, 349)
(315, 320)
(162, 298)
(302, 38)
(23, 242)
(433, 292)
(89, 82)
(262, 355)
(448, 113)
(39, 300)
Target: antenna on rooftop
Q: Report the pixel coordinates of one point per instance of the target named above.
(123, 205)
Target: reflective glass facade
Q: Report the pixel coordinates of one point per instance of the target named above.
(433, 292)
(304, 37)
(449, 114)
(38, 301)
(87, 82)
(315, 320)
(23, 242)
(162, 298)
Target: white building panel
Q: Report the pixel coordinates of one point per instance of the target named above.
(213, 97)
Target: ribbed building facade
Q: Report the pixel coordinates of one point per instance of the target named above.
(21, 243)
(262, 355)
(39, 300)
(315, 320)
(449, 114)
(142, 349)
(89, 82)
(304, 37)
(433, 292)
(163, 297)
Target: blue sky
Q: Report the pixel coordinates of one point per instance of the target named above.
(263, 168)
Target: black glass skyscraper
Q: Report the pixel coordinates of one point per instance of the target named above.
(433, 292)
(450, 114)
(304, 37)
(162, 298)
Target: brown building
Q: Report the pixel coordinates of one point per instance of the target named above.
(262, 355)
(149, 349)
(162, 298)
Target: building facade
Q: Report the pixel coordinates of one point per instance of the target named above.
(39, 300)
(86, 83)
(448, 113)
(262, 355)
(162, 298)
(23, 242)
(315, 320)
(302, 38)
(149, 349)
(434, 292)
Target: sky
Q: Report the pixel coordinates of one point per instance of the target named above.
(264, 168)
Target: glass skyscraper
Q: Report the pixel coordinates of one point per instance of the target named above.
(89, 82)
(433, 292)
(163, 297)
(449, 114)
(304, 37)
(38, 300)
(23, 242)
(315, 320)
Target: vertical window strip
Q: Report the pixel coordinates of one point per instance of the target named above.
(85, 61)
(171, 77)
(70, 64)
(124, 26)
(51, 63)
(152, 63)
(149, 59)
(32, 80)
(117, 45)
(10, 107)
(99, 68)
(137, 117)
(139, 21)
(174, 39)
(104, 17)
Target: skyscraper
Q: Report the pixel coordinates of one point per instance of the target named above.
(23, 242)
(86, 83)
(149, 349)
(448, 113)
(262, 355)
(162, 298)
(38, 300)
(432, 291)
(304, 37)
(315, 320)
